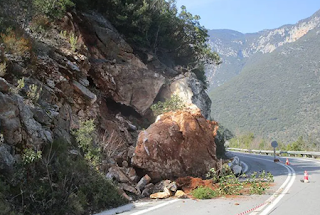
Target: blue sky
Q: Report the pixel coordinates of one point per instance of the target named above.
(248, 16)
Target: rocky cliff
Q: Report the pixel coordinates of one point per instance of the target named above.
(47, 92)
(237, 49)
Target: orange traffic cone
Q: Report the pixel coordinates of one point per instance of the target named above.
(306, 177)
(287, 162)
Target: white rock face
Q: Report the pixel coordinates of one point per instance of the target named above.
(191, 91)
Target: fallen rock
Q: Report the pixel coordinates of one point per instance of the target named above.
(159, 187)
(131, 173)
(143, 182)
(179, 144)
(172, 187)
(180, 194)
(115, 173)
(161, 195)
(187, 184)
(130, 189)
(147, 191)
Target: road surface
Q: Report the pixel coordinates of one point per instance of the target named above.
(288, 195)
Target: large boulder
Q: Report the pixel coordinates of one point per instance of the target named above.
(178, 144)
(126, 84)
(115, 69)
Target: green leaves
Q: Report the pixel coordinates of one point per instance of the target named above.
(204, 193)
(52, 8)
(84, 136)
(173, 104)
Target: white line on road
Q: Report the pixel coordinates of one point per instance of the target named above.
(155, 207)
(276, 201)
(279, 194)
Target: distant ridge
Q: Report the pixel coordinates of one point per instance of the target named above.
(272, 81)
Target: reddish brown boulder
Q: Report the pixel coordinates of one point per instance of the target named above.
(179, 144)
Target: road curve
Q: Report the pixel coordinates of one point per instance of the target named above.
(288, 195)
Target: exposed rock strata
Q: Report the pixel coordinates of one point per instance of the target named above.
(95, 82)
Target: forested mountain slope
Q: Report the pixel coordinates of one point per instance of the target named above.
(237, 49)
(277, 94)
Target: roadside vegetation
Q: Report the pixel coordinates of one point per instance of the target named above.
(249, 141)
(59, 178)
(226, 183)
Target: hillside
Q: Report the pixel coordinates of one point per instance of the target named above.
(236, 49)
(277, 94)
(78, 83)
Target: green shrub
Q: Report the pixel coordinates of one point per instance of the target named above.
(40, 23)
(173, 104)
(15, 44)
(52, 8)
(73, 40)
(58, 182)
(20, 85)
(30, 156)
(33, 92)
(204, 193)
(85, 136)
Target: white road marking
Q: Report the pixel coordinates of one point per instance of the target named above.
(155, 207)
(279, 194)
(276, 201)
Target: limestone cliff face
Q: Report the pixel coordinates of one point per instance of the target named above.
(237, 49)
(191, 90)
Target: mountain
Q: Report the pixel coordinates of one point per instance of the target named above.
(275, 90)
(237, 49)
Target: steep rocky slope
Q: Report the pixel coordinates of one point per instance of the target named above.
(238, 50)
(48, 91)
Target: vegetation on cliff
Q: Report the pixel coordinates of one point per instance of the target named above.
(55, 180)
(42, 70)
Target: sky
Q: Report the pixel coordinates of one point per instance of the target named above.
(249, 16)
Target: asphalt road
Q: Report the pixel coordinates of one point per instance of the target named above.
(288, 195)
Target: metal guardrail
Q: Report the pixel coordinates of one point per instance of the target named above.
(289, 153)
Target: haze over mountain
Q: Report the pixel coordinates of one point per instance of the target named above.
(277, 94)
(236, 48)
